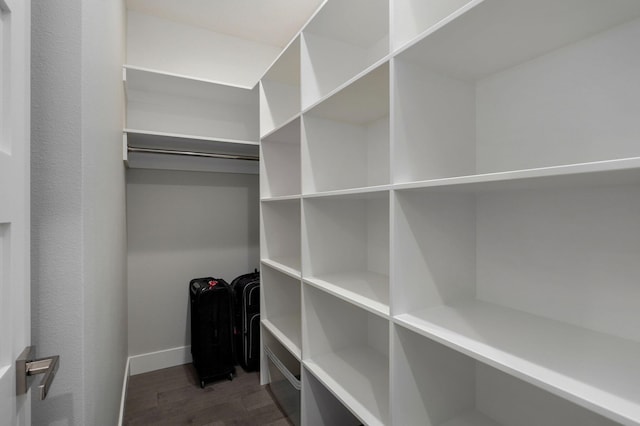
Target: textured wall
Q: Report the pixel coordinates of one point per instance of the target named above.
(78, 240)
(56, 205)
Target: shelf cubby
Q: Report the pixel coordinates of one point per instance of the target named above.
(335, 49)
(346, 249)
(282, 373)
(347, 349)
(320, 407)
(540, 283)
(434, 385)
(280, 229)
(411, 18)
(524, 85)
(280, 161)
(281, 309)
(159, 102)
(346, 137)
(280, 89)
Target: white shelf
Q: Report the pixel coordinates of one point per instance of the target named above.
(346, 348)
(335, 50)
(368, 290)
(280, 198)
(599, 372)
(280, 165)
(170, 104)
(478, 41)
(162, 140)
(435, 385)
(283, 329)
(280, 90)
(345, 139)
(411, 18)
(353, 193)
(358, 377)
(281, 297)
(538, 103)
(346, 249)
(286, 265)
(321, 407)
(598, 173)
(280, 234)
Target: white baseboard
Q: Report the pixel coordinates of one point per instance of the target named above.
(152, 361)
(123, 397)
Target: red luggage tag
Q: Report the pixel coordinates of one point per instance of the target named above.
(213, 283)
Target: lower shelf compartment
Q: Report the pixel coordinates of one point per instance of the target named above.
(595, 370)
(359, 378)
(437, 386)
(287, 331)
(285, 385)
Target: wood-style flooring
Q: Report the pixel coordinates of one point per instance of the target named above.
(173, 396)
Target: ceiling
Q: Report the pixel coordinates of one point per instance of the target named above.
(272, 22)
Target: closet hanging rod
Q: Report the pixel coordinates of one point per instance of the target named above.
(193, 154)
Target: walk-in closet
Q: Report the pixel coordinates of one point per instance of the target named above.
(443, 199)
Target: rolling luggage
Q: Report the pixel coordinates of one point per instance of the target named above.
(211, 303)
(246, 289)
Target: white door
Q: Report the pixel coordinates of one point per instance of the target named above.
(15, 19)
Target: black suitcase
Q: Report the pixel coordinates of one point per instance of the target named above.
(211, 301)
(246, 289)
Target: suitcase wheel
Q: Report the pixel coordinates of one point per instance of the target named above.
(202, 384)
(230, 376)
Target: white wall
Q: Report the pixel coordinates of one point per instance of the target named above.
(183, 225)
(78, 229)
(169, 46)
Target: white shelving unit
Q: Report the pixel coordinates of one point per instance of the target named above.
(469, 212)
(346, 137)
(439, 386)
(280, 90)
(176, 113)
(347, 349)
(321, 407)
(281, 235)
(336, 48)
(532, 88)
(280, 162)
(346, 248)
(282, 307)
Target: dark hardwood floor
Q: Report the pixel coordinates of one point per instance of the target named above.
(173, 397)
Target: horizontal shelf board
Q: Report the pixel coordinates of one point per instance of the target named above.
(346, 84)
(483, 38)
(163, 140)
(281, 198)
(594, 370)
(137, 160)
(586, 174)
(287, 331)
(363, 101)
(283, 265)
(367, 290)
(289, 131)
(366, 192)
(140, 83)
(359, 378)
(180, 76)
(471, 418)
